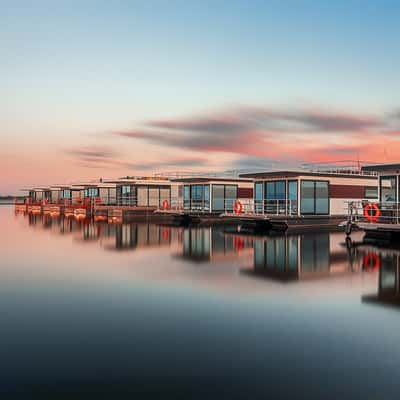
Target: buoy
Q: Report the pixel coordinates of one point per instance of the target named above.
(372, 212)
(237, 207)
(165, 205)
(371, 262)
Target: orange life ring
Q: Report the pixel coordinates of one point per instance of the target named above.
(165, 205)
(237, 207)
(376, 212)
(371, 262)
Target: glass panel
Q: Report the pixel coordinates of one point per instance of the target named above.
(186, 196)
(258, 197)
(218, 198)
(197, 197)
(230, 196)
(292, 197)
(207, 197)
(321, 197)
(307, 197)
(371, 193)
(154, 197)
(270, 190)
(388, 188)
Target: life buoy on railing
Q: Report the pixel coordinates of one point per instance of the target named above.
(372, 212)
(165, 205)
(237, 207)
(371, 262)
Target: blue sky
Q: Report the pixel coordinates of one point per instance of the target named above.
(73, 73)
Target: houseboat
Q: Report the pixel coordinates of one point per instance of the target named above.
(215, 195)
(305, 199)
(136, 196)
(379, 218)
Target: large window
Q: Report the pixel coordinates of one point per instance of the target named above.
(196, 197)
(315, 197)
(218, 196)
(92, 192)
(388, 188)
(67, 194)
(275, 197)
(223, 197)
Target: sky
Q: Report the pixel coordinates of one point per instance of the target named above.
(92, 89)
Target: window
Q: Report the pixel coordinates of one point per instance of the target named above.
(230, 196)
(91, 192)
(292, 197)
(258, 197)
(315, 197)
(67, 194)
(275, 196)
(186, 196)
(218, 197)
(371, 193)
(388, 189)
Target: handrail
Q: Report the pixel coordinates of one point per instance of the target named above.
(389, 212)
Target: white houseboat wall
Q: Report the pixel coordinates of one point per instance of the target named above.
(215, 195)
(299, 193)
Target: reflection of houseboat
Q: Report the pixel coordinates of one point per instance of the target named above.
(389, 278)
(300, 257)
(381, 217)
(212, 244)
(291, 198)
(132, 236)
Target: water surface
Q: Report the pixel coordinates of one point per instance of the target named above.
(169, 312)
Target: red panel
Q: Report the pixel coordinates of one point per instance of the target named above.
(245, 193)
(348, 191)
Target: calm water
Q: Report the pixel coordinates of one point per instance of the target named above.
(194, 313)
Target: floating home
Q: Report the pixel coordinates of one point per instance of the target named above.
(151, 192)
(380, 218)
(300, 193)
(214, 195)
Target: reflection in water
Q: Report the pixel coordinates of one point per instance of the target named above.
(78, 316)
(388, 263)
(302, 256)
(206, 244)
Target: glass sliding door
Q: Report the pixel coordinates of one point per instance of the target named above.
(197, 199)
(275, 197)
(218, 193)
(314, 197)
(230, 197)
(321, 198)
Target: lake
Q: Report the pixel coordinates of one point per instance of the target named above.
(199, 312)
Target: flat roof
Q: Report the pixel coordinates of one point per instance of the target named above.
(210, 179)
(381, 167)
(292, 174)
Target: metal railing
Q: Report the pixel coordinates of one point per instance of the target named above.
(373, 212)
(262, 207)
